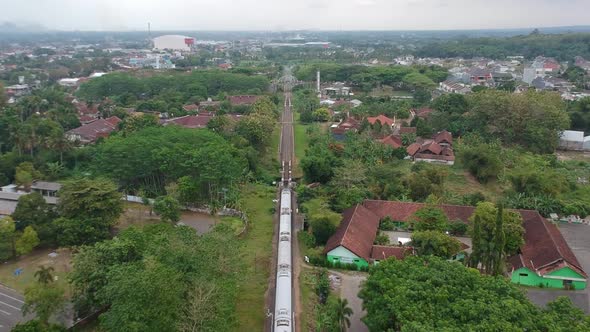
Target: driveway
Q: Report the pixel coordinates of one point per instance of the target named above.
(10, 309)
(578, 238)
(349, 289)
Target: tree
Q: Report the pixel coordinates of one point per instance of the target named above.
(322, 228)
(136, 123)
(78, 231)
(168, 208)
(32, 210)
(159, 298)
(27, 241)
(430, 294)
(322, 114)
(25, 175)
(199, 308)
(35, 325)
(435, 243)
(2, 96)
(85, 198)
(44, 300)
(430, 218)
(343, 311)
(482, 161)
(7, 238)
(44, 275)
(499, 242)
(486, 236)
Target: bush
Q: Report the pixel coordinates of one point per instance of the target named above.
(308, 239)
(457, 228)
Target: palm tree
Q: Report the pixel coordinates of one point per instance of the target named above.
(343, 311)
(44, 275)
(58, 142)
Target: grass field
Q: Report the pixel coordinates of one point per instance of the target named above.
(30, 264)
(308, 299)
(256, 256)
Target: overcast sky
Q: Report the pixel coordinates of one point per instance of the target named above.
(295, 14)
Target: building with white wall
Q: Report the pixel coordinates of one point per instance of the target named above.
(174, 42)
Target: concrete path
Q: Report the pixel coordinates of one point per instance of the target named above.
(349, 289)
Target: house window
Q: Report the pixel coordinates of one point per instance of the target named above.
(523, 274)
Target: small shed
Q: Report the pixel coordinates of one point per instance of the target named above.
(572, 140)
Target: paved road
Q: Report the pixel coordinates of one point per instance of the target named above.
(10, 309)
(349, 289)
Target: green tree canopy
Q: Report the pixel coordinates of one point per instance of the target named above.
(432, 294)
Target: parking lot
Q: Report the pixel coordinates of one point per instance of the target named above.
(10, 308)
(578, 238)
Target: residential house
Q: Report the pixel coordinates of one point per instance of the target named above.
(245, 100)
(439, 149)
(481, 76)
(571, 140)
(10, 194)
(209, 103)
(90, 132)
(190, 121)
(395, 141)
(339, 130)
(453, 87)
(544, 259)
(192, 108)
(382, 119)
(337, 89)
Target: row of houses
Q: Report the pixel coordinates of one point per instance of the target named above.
(544, 259)
(93, 127)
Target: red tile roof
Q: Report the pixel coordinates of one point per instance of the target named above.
(394, 141)
(407, 130)
(382, 119)
(356, 232)
(243, 100)
(384, 252)
(424, 112)
(92, 131)
(190, 121)
(190, 107)
(443, 137)
(545, 249)
(413, 149)
(431, 147)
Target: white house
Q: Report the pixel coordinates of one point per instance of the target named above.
(572, 140)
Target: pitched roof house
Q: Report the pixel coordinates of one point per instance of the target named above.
(439, 149)
(190, 121)
(90, 132)
(339, 130)
(395, 141)
(545, 258)
(242, 100)
(382, 119)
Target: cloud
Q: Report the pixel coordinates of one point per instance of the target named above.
(292, 14)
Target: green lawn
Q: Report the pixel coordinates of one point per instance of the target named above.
(308, 299)
(256, 256)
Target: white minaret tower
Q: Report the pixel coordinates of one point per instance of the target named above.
(319, 91)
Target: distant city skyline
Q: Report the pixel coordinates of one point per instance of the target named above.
(267, 15)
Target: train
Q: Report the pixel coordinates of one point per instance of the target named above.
(283, 315)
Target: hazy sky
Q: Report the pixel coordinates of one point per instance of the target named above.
(295, 14)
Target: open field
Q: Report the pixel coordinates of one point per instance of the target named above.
(30, 264)
(256, 255)
(301, 144)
